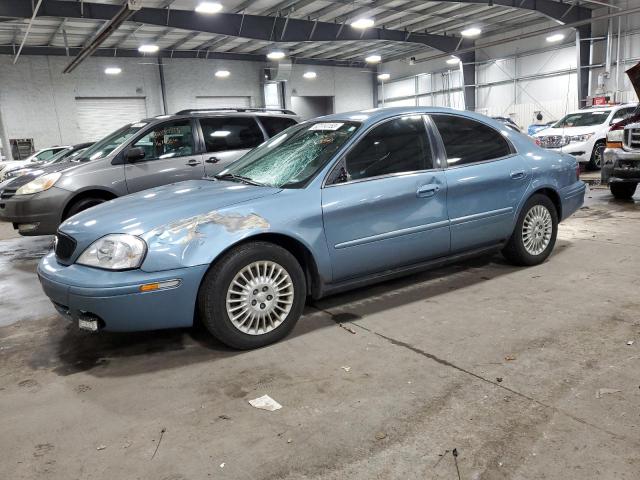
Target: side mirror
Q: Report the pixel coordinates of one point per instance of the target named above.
(135, 154)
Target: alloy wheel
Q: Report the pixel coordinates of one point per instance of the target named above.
(537, 229)
(259, 297)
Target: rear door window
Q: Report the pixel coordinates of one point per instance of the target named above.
(468, 141)
(274, 125)
(230, 133)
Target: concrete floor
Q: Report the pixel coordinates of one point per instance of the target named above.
(504, 364)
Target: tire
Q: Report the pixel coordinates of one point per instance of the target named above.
(229, 274)
(595, 162)
(623, 190)
(81, 205)
(516, 251)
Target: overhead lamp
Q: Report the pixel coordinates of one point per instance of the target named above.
(113, 70)
(309, 75)
(555, 37)
(384, 76)
(453, 60)
(208, 7)
(276, 55)
(471, 32)
(373, 59)
(222, 73)
(148, 48)
(362, 23)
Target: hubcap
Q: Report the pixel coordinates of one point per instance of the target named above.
(259, 298)
(537, 229)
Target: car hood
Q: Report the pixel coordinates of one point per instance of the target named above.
(158, 207)
(567, 131)
(14, 163)
(634, 75)
(36, 171)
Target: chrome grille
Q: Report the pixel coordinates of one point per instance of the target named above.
(553, 141)
(632, 137)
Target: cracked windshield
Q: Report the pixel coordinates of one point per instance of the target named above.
(293, 157)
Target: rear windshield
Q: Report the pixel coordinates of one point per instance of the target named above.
(109, 143)
(584, 119)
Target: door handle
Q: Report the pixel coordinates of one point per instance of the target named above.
(193, 163)
(427, 190)
(517, 175)
(212, 160)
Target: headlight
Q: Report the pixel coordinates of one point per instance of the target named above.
(40, 184)
(615, 136)
(115, 252)
(580, 138)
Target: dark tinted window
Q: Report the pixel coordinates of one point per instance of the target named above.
(230, 133)
(468, 141)
(399, 145)
(167, 140)
(274, 125)
(622, 114)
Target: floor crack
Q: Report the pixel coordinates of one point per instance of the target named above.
(447, 363)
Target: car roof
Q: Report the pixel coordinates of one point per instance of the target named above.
(374, 115)
(602, 108)
(218, 113)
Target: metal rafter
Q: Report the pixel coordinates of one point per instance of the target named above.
(253, 26)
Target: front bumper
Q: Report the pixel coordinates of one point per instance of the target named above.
(620, 165)
(580, 151)
(115, 299)
(36, 214)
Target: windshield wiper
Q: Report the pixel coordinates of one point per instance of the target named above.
(238, 178)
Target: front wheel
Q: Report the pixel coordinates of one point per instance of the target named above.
(595, 162)
(252, 296)
(623, 190)
(535, 233)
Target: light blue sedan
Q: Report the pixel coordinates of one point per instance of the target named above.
(328, 205)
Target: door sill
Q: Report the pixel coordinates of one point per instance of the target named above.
(350, 284)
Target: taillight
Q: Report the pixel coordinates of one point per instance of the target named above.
(578, 171)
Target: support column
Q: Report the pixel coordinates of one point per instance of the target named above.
(468, 67)
(163, 88)
(583, 55)
(6, 146)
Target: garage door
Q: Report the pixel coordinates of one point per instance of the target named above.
(98, 117)
(221, 102)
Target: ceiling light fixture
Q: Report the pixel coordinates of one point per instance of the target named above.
(471, 32)
(276, 55)
(222, 73)
(384, 76)
(309, 75)
(208, 7)
(113, 70)
(373, 59)
(453, 60)
(555, 37)
(148, 48)
(362, 23)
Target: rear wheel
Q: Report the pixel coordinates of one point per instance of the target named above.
(623, 191)
(252, 296)
(595, 162)
(535, 234)
(82, 204)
